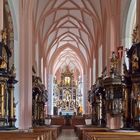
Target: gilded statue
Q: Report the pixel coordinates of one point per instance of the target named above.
(4, 36)
(3, 64)
(13, 70)
(135, 37)
(114, 63)
(135, 64)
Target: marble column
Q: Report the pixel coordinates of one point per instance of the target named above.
(50, 94)
(17, 91)
(25, 64)
(94, 71)
(100, 64)
(85, 94)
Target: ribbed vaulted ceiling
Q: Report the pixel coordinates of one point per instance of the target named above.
(69, 30)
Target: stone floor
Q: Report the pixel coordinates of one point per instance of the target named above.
(67, 134)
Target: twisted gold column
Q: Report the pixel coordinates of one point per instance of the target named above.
(2, 100)
(11, 93)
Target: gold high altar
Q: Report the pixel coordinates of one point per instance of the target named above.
(67, 99)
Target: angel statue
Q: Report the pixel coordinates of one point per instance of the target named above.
(12, 70)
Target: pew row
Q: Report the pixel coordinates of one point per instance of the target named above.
(81, 129)
(38, 133)
(22, 136)
(111, 135)
(54, 131)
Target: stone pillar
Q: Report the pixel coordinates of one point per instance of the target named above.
(25, 64)
(85, 94)
(1, 15)
(94, 71)
(17, 91)
(50, 94)
(100, 64)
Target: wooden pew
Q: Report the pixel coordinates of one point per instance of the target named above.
(22, 135)
(58, 127)
(57, 120)
(39, 133)
(78, 120)
(51, 131)
(81, 130)
(111, 135)
(124, 138)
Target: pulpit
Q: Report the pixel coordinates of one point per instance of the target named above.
(114, 94)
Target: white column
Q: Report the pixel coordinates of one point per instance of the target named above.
(25, 66)
(50, 94)
(16, 91)
(45, 77)
(37, 57)
(42, 74)
(1, 15)
(85, 95)
(94, 71)
(100, 65)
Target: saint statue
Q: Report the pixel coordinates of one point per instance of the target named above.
(135, 62)
(5, 51)
(4, 36)
(13, 70)
(114, 63)
(3, 64)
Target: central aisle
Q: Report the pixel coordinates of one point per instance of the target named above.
(67, 134)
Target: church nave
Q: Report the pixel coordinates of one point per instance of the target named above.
(69, 69)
